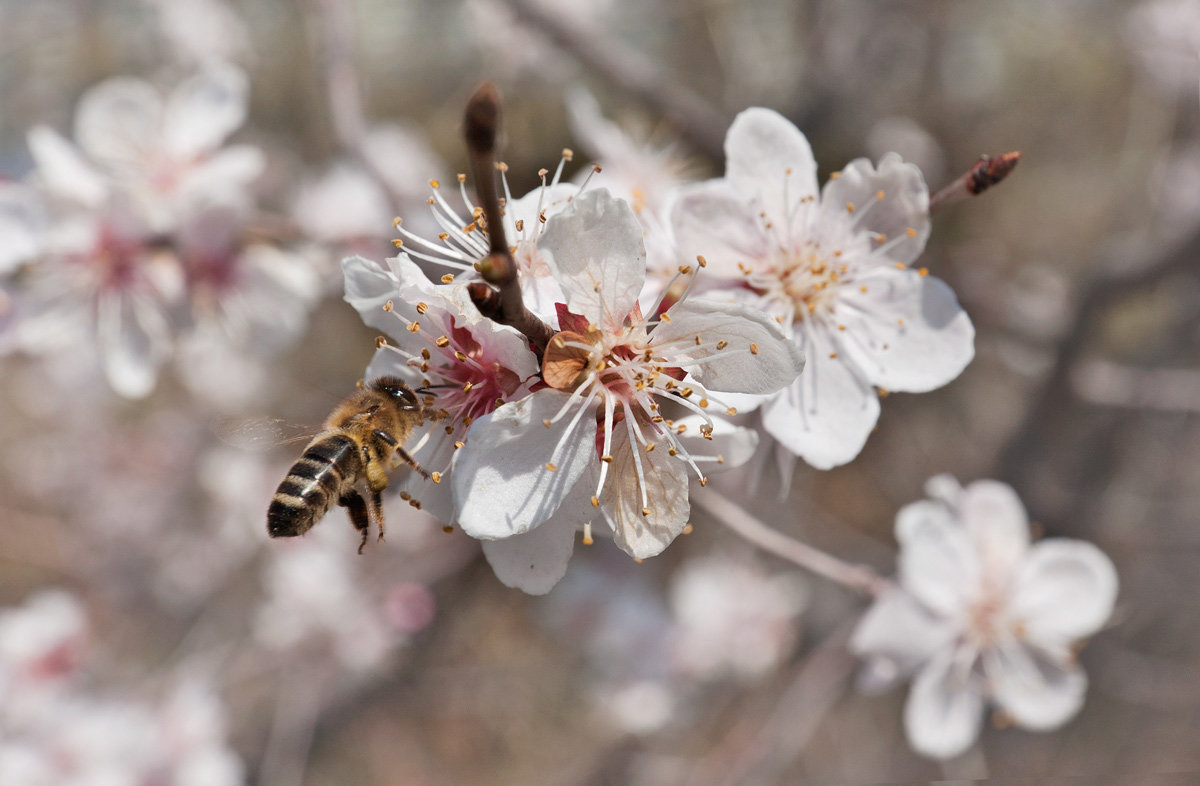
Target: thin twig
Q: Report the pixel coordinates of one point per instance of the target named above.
(631, 72)
(504, 304)
(333, 22)
(857, 577)
(985, 173)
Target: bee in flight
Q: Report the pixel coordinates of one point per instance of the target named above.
(349, 461)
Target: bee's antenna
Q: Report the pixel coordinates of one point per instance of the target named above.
(431, 388)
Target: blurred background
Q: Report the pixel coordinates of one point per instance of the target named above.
(139, 585)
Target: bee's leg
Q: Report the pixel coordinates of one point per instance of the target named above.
(356, 506)
(412, 462)
(377, 508)
(404, 455)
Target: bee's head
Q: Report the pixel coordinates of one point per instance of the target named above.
(399, 392)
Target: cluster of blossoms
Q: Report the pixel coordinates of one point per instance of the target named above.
(55, 732)
(137, 239)
(670, 310)
(753, 274)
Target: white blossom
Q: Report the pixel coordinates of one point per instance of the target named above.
(463, 238)
(981, 615)
(596, 437)
(833, 269)
(437, 339)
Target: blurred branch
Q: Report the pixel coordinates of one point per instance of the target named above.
(692, 115)
(765, 754)
(504, 304)
(1109, 384)
(857, 577)
(1057, 392)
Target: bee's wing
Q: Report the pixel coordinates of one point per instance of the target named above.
(259, 435)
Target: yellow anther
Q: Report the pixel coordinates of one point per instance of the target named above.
(414, 327)
(436, 477)
(388, 306)
(551, 467)
(448, 278)
(442, 341)
(753, 348)
(380, 342)
(879, 194)
(722, 344)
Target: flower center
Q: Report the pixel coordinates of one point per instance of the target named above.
(809, 278)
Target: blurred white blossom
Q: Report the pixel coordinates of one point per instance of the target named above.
(981, 615)
(731, 618)
(72, 736)
(137, 239)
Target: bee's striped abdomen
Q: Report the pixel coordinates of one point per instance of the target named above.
(329, 466)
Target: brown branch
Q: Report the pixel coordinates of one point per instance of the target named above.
(504, 304)
(1056, 394)
(631, 72)
(985, 173)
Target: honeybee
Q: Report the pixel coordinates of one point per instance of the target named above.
(348, 462)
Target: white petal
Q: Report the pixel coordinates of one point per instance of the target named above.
(766, 157)
(764, 361)
(547, 201)
(1064, 590)
(133, 336)
(639, 535)
(119, 122)
(535, 561)
(387, 363)
(343, 204)
(1038, 691)
(434, 453)
(944, 711)
(902, 631)
(502, 485)
(369, 286)
(714, 221)
(907, 332)
(23, 221)
(595, 248)
(905, 203)
(202, 111)
(826, 415)
(995, 519)
(734, 444)
(224, 175)
(938, 563)
(63, 169)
